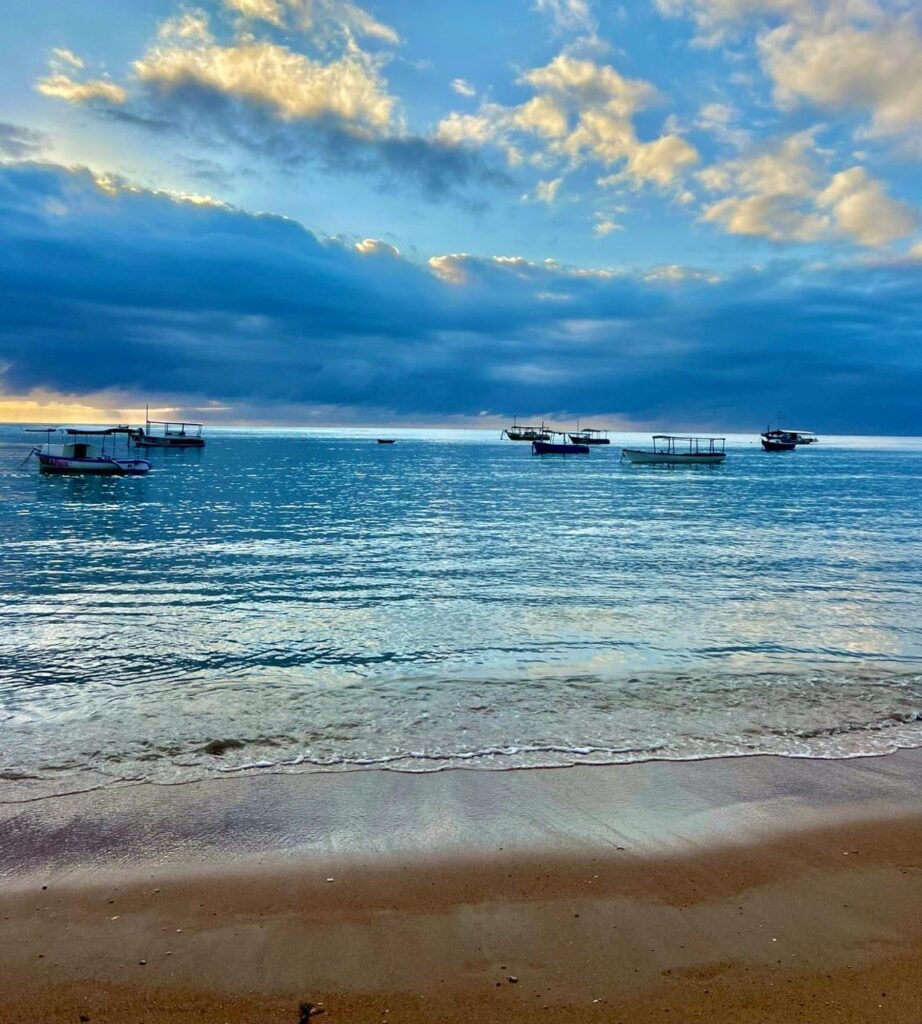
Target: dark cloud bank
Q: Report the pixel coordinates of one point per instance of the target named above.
(141, 293)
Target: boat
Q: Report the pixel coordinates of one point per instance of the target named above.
(558, 447)
(168, 434)
(79, 454)
(519, 433)
(387, 440)
(771, 444)
(589, 436)
(676, 450)
(785, 436)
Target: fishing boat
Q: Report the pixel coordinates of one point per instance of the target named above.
(87, 451)
(785, 436)
(168, 434)
(551, 447)
(387, 440)
(773, 444)
(589, 436)
(519, 433)
(675, 450)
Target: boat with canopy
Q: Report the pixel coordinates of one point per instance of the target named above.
(87, 451)
(168, 434)
(520, 433)
(676, 450)
(589, 435)
(562, 447)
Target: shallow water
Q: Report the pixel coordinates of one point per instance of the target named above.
(315, 601)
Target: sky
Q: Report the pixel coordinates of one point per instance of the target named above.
(667, 214)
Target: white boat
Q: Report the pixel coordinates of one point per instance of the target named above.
(75, 453)
(671, 449)
(783, 435)
(168, 434)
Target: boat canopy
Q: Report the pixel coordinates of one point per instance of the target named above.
(691, 444)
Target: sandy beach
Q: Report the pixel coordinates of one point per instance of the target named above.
(753, 889)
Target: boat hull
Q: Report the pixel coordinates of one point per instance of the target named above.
(778, 446)
(673, 458)
(549, 448)
(576, 439)
(95, 467)
(147, 441)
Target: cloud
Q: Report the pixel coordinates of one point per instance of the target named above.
(288, 84)
(582, 112)
(862, 209)
(322, 19)
(463, 88)
(875, 69)
(857, 56)
(782, 191)
(260, 314)
(19, 142)
(546, 191)
(282, 105)
(568, 15)
(63, 87)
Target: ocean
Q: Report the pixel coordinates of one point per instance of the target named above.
(308, 600)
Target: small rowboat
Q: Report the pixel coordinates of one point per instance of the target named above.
(672, 450)
(552, 448)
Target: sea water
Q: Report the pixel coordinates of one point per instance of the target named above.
(297, 601)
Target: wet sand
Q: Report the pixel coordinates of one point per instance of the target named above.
(758, 889)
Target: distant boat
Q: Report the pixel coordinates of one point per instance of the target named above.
(791, 437)
(771, 444)
(168, 434)
(387, 440)
(80, 455)
(590, 436)
(519, 433)
(675, 450)
(558, 448)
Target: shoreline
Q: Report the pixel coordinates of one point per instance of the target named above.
(744, 889)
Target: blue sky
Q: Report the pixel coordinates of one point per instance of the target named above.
(688, 213)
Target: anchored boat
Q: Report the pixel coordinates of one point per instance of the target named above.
(518, 433)
(783, 440)
(79, 454)
(590, 436)
(168, 434)
(558, 447)
(672, 449)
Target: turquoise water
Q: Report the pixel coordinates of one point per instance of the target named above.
(314, 601)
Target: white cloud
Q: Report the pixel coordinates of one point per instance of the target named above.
(581, 111)
(375, 247)
(861, 56)
(546, 191)
(875, 69)
(784, 193)
(463, 88)
(289, 83)
(605, 226)
(863, 210)
(63, 87)
(568, 15)
(321, 18)
(68, 57)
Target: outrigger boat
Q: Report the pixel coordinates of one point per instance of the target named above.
(671, 449)
(78, 454)
(589, 436)
(558, 447)
(517, 433)
(168, 434)
(781, 436)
